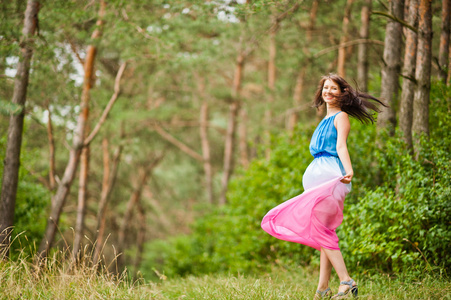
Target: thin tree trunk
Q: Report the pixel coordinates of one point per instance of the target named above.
(420, 124)
(206, 151)
(299, 87)
(392, 67)
(109, 179)
(408, 83)
(203, 132)
(344, 38)
(141, 238)
(312, 19)
(448, 81)
(14, 143)
(81, 207)
(363, 64)
(77, 145)
(271, 83)
(132, 202)
(444, 40)
(297, 98)
(52, 182)
(242, 131)
(230, 135)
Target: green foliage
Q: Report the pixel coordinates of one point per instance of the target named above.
(396, 217)
(31, 202)
(406, 220)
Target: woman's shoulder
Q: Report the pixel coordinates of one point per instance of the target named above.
(342, 118)
(341, 115)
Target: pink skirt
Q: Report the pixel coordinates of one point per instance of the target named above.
(312, 217)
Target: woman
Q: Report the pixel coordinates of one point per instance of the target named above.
(312, 217)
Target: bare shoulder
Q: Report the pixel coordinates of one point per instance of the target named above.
(342, 121)
(342, 115)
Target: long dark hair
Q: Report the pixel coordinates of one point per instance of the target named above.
(351, 101)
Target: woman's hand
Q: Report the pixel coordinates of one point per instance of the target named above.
(347, 178)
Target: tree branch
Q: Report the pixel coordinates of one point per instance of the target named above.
(177, 143)
(402, 22)
(347, 44)
(109, 105)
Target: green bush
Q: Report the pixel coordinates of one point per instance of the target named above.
(396, 217)
(32, 201)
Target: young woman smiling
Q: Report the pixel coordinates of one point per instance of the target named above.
(312, 217)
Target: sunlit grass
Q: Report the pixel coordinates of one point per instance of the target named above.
(20, 279)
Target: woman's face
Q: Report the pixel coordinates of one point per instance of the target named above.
(331, 92)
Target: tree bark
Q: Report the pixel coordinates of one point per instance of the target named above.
(312, 19)
(206, 151)
(52, 182)
(14, 143)
(132, 202)
(293, 117)
(231, 128)
(363, 64)
(109, 179)
(242, 131)
(141, 238)
(297, 98)
(420, 123)
(390, 71)
(77, 144)
(344, 38)
(444, 40)
(82, 196)
(271, 83)
(408, 82)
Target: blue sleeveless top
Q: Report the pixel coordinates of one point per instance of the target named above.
(324, 139)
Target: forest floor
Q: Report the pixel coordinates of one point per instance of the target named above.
(18, 280)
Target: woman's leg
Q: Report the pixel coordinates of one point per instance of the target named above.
(325, 269)
(336, 259)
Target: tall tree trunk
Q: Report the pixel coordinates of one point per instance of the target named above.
(448, 80)
(231, 127)
(109, 179)
(242, 130)
(77, 144)
(444, 40)
(408, 82)
(15, 129)
(312, 19)
(392, 67)
(344, 38)
(132, 202)
(362, 65)
(298, 88)
(420, 124)
(81, 207)
(141, 238)
(52, 182)
(271, 83)
(297, 99)
(203, 132)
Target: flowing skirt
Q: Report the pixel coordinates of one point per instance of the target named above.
(312, 217)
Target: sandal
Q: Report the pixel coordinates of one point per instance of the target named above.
(353, 290)
(326, 294)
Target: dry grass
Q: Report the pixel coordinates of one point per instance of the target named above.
(20, 279)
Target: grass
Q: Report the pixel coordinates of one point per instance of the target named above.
(56, 280)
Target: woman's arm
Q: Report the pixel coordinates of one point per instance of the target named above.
(343, 126)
